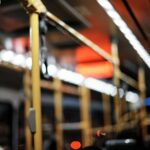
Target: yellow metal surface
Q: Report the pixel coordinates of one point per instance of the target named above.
(34, 6)
(79, 36)
(85, 116)
(128, 80)
(143, 113)
(106, 109)
(123, 107)
(27, 92)
(36, 92)
(116, 81)
(58, 109)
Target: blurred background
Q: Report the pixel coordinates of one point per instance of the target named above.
(85, 98)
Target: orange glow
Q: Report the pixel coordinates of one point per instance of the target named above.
(102, 69)
(75, 145)
(89, 63)
(85, 54)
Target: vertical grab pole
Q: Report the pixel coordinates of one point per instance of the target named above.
(85, 115)
(142, 89)
(106, 109)
(116, 81)
(36, 93)
(58, 108)
(124, 104)
(27, 92)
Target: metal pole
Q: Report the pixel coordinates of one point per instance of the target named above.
(114, 47)
(106, 109)
(132, 82)
(36, 93)
(78, 36)
(58, 113)
(124, 103)
(85, 116)
(27, 92)
(38, 7)
(142, 89)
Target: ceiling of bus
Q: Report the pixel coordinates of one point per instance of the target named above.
(83, 14)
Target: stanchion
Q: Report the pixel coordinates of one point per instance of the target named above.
(36, 92)
(116, 80)
(85, 116)
(123, 99)
(58, 113)
(142, 89)
(27, 93)
(31, 7)
(106, 109)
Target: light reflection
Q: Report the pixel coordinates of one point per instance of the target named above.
(116, 18)
(68, 76)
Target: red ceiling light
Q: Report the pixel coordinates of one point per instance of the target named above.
(102, 69)
(86, 54)
(88, 62)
